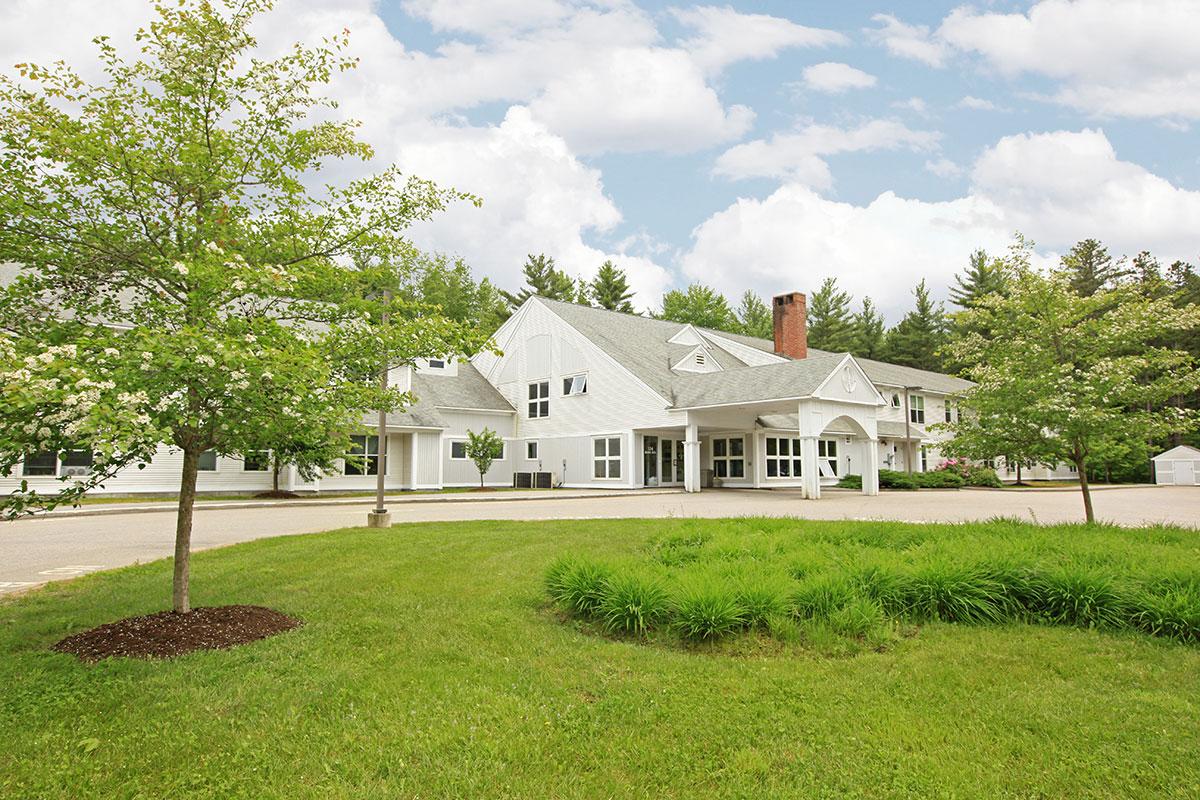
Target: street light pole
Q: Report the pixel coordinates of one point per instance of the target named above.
(380, 518)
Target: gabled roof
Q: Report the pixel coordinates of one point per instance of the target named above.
(783, 381)
(641, 345)
(466, 390)
(1181, 453)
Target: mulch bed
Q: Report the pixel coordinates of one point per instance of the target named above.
(282, 494)
(167, 634)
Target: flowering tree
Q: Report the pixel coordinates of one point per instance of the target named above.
(1063, 377)
(181, 284)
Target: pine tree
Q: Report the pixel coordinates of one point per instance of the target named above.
(583, 293)
(868, 331)
(754, 316)
(543, 279)
(983, 276)
(700, 305)
(610, 289)
(917, 341)
(830, 323)
(1090, 267)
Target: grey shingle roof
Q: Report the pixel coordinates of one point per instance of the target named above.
(781, 381)
(640, 344)
(467, 389)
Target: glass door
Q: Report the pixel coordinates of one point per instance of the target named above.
(679, 461)
(650, 460)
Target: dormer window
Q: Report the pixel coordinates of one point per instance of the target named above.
(574, 385)
(437, 363)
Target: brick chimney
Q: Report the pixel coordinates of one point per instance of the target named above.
(790, 315)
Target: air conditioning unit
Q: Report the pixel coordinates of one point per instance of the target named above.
(533, 480)
(75, 472)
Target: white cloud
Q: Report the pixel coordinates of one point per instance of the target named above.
(491, 18)
(909, 41)
(797, 156)
(1055, 187)
(977, 104)
(831, 77)
(913, 104)
(1112, 58)
(725, 36)
(943, 168)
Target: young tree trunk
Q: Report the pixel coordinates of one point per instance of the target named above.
(1018, 473)
(275, 467)
(1081, 468)
(183, 532)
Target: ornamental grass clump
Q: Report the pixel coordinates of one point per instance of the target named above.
(632, 603)
(577, 585)
(1080, 596)
(708, 609)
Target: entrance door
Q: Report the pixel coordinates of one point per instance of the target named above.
(670, 461)
(650, 460)
(1185, 473)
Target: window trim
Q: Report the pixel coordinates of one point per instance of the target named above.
(216, 460)
(435, 363)
(367, 457)
(823, 447)
(53, 467)
(607, 458)
(537, 450)
(916, 409)
(793, 459)
(266, 464)
(464, 457)
(569, 384)
(539, 399)
(896, 400)
(728, 459)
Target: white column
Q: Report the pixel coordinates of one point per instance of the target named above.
(759, 441)
(870, 471)
(442, 455)
(412, 460)
(811, 478)
(691, 457)
(635, 459)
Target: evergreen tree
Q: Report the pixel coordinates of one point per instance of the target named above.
(1090, 268)
(543, 279)
(983, 276)
(920, 337)
(830, 322)
(868, 331)
(754, 317)
(583, 292)
(700, 305)
(610, 289)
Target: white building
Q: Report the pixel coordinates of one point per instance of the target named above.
(585, 397)
(1179, 466)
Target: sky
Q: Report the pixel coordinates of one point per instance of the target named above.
(763, 145)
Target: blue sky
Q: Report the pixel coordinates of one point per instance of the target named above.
(759, 145)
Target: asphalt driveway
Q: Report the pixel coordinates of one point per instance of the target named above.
(63, 545)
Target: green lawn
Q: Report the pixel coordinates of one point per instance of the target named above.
(104, 499)
(431, 665)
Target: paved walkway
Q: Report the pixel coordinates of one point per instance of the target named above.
(62, 545)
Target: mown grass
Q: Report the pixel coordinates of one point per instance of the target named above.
(862, 585)
(430, 665)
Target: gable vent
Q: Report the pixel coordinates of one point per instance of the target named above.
(700, 359)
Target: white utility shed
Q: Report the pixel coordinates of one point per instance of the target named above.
(1179, 466)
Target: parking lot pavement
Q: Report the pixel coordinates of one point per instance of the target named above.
(53, 547)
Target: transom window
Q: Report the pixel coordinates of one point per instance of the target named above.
(539, 399)
(729, 457)
(827, 456)
(783, 458)
(916, 408)
(363, 457)
(606, 457)
(575, 384)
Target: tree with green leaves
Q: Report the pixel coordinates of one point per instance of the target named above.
(754, 317)
(869, 333)
(448, 287)
(181, 286)
(610, 289)
(483, 449)
(544, 279)
(919, 338)
(1079, 373)
(1090, 268)
(982, 277)
(699, 305)
(830, 321)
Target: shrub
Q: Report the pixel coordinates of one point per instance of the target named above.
(857, 618)
(633, 603)
(940, 479)
(819, 597)
(983, 476)
(577, 585)
(955, 593)
(850, 482)
(891, 479)
(708, 610)
(1074, 595)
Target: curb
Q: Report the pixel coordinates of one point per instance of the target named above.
(464, 497)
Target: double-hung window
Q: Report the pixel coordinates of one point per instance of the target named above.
(916, 409)
(783, 458)
(531, 451)
(574, 385)
(44, 463)
(729, 457)
(606, 457)
(256, 461)
(827, 456)
(539, 399)
(950, 415)
(363, 458)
